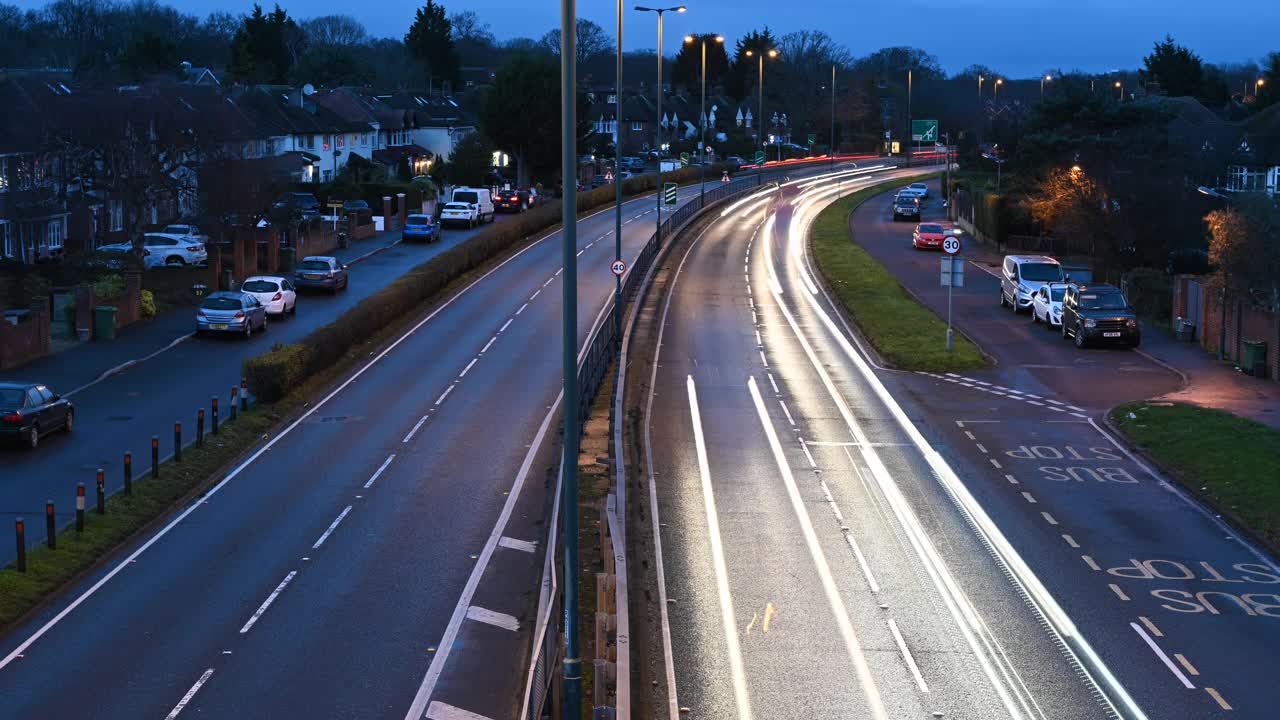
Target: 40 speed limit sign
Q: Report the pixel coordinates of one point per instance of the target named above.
(619, 267)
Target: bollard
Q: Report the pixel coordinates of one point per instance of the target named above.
(102, 493)
(235, 394)
(80, 508)
(177, 442)
(50, 533)
(200, 427)
(213, 419)
(155, 456)
(128, 472)
(244, 394)
(22, 544)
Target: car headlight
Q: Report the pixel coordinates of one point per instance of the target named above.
(1090, 322)
(1132, 323)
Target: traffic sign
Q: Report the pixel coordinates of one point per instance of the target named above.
(952, 271)
(608, 176)
(759, 157)
(724, 177)
(669, 193)
(684, 160)
(951, 244)
(619, 267)
(813, 138)
(924, 131)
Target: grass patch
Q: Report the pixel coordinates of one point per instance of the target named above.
(1229, 461)
(907, 335)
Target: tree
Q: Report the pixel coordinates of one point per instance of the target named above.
(1178, 70)
(430, 42)
(805, 90)
(471, 160)
(1243, 250)
(743, 78)
(592, 41)
(334, 31)
(687, 69)
(266, 47)
(892, 63)
(475, 41)
(333, 65)
(150, 54)
(521, 113)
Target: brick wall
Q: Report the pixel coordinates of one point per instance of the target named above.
(1243, 322)
(27, 340)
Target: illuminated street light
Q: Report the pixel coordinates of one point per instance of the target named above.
(772, 53)
(702, 118)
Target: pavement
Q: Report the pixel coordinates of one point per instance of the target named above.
(1212, 383)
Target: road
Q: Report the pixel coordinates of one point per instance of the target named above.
(1181, 608)
(371, 560)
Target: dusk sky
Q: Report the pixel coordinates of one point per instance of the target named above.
(1021, 38)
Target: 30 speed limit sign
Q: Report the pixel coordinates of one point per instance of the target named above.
(951, 245)
(619, 267)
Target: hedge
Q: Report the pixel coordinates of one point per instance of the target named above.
(274, 373)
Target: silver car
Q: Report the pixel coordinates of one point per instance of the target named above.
(231, 312)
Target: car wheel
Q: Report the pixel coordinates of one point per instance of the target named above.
(175, 261)
(69, 424)
(33, 438)
(1078, 334)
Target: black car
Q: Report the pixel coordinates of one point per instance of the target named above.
(511, 200)
(28, 412)
(906, 207)
(1098, 313)
(300, 203)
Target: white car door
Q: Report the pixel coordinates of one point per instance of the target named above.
(1040, 304)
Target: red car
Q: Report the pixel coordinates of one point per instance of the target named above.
(928, 236)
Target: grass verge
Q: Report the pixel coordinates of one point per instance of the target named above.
(905, 333)
(1228, 461)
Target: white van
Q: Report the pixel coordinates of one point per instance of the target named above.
(1022, 275)
(479, 198)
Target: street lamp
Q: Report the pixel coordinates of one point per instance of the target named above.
(980, 79)
(1120, 91)
(996, 91)
(702, 121)
(832, 150)
(1257, 84)
(1045, 79)
(772, 53)
(658, 127)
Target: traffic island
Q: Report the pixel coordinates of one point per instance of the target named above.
(906, 334)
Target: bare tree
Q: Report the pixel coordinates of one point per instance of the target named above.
(334, 31)
(467, 26)
(592, 41)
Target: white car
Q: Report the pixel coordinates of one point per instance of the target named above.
(188, 232)
(1046, 304)
(175, 250)
(920, 188)
(275, 293)
(460, 213)
(914, 192)
(148, 260)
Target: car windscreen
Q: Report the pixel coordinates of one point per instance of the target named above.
(11, 398)
(470, 196)
(260, 286)
(1103, 301)
(906, 200)
(1040, 272)
(221, 303)
(313, 265)
(417, 220)
(1055, 294)
(931, 229)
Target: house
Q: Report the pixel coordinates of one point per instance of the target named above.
(433, 124)
(33, 214)
(198, 75)
(639, 125)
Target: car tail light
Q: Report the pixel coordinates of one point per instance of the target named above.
(239, 315)
(194, 248)
(277, 296)
(12, 418)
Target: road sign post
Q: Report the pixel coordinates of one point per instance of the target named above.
(952, 275)
(669, 193)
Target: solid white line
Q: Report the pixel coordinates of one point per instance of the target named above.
(522, 545)
(717, 556)
(485, 349)
(787, 412)
(409, 435)
(1160, 654)
(834, 599)
(270, 599)
(182, 704)
(332, 527)
(444, 394)
(384, 465)
(522, 307)
(467, 369)
(763, 359)
(443, 711)
(490, 617)
(906, 655)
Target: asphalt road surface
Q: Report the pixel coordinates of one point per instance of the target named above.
(1183, 610)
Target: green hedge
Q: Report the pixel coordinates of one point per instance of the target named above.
(274, 373)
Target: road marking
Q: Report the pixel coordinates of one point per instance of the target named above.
(1186, 664)
(467, 369)
(1163, 658)
(982, 448)
(1012, 480)
(444, 394)
(1119, 593)
(182, 704)
(755, 320)
(774, 384)
(1049, 518)
(787, 413)
(409, 435)
(1028, 497)
(1151, 626)
(270, 599)
(1093, 564)
(854, 648)
(560, 270)
(1077, 409)
(521, 545)
(805, 447)
(1033, 397)
(492, 340)
(548, 282)
(522, 307)
(1218, 698)
(1033, 402)
(333, 526)
(443, 711)
(1056, 409)
(906, 655)
(741, 697)
(970, 435)
(1070, 540)
(506, 325)
(763, 359)
(996, 463)
(490, 617)
(581, 251)
(382, 467)
(758, 340)
(1055, 402)
(535, 295)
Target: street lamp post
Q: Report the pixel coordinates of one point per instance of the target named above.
(980, 79)
(617, 183)
(1120, 91)
(996, 90)
(660, 12)
(910, 140)
(773, 53)
(702, 122)
(1043, 80)
(832, 150)
(1257, 84)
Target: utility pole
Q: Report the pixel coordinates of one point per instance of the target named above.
(909, 141)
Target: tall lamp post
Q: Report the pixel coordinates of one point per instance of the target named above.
(773, 53)
(996, 88)
(617, 183)
(658, 127)
(1257, 84)
(980, 79)
(832, 151)
(1043, 80)
(1120, 91)
(702, 121)
(910, 140)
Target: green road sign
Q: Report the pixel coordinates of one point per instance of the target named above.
(684, 160)
(759, 157)
(813, 138)
(669, 193)
(924, 131)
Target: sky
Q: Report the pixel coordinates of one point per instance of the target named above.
(1019, 38)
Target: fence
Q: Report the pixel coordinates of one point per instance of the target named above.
(1216, 319)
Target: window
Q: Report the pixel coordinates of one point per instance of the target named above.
(613, 99)
(364, 139)
(1245, 179)
(327, 175)
(6, 239)
(55, 233)
(4, 174)
(353, 139)
(45, 394)
(341, 139)
(326, 143)
(636, 126)
(115, 212)
(33, 398)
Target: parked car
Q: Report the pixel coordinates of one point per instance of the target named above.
(29, 412)
(1022, 275)
(275, 293)
(189, 232)
(171, 250)
(634, 164)
(1046, 304)
(351, 206)
(459, 213)
(122, 249)
(1098, 313)
(597, 181)
(920, 188)
(906, 207)
(302, 203)
(911, 191)
(734, 162)
(321, 272)
(230, 312)
(928, 236)
(420, 228)
(479, 198)
(511, 200)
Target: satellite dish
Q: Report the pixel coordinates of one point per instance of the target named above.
(308, 89)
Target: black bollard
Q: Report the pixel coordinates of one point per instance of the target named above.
(177, 442)
(200, 427)
(213, 417)
(244, 394)
(102, 493)
(22, 544)
(128, 473)
(235, 402)
(49, 531)
(155, 456)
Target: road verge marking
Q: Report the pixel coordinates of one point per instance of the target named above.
(494, 618)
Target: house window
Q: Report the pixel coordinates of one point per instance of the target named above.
(1245, 179)
(328, 175)
(636, 126)
(613, 99)
(342, 140)
(115, 212)
(326, 143)
(55, 234)
(364, 139)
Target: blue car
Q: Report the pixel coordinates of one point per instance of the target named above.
(419, 228)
